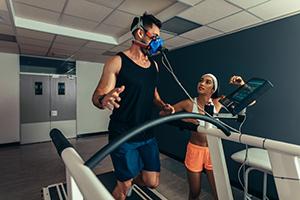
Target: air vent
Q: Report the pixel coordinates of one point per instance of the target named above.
(7, 38)
(178, 25)
(45, 62)
(109, 53)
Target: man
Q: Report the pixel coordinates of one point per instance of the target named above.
(128, 86)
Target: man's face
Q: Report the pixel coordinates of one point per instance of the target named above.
(206, 85)
(149, 34)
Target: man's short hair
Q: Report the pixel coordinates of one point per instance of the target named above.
(144, 22)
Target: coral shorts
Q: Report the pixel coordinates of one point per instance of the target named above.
(197, 157)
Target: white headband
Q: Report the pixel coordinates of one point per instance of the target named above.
(214, 80)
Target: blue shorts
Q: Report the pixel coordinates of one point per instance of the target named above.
(130, 158)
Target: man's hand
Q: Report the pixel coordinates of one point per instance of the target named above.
(167, 109)
(110, 99)
(236, 80)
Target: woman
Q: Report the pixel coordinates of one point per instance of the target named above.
(197, 157)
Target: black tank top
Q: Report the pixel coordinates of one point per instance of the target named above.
(136, 100)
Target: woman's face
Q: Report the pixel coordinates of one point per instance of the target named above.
(206, 86)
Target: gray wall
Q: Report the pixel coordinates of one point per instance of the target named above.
(9, 100)
(89, 118)
(270, 51)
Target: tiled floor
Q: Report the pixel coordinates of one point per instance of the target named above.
(25, 169)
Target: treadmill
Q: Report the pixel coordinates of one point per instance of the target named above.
(92, 187)
(82, 183)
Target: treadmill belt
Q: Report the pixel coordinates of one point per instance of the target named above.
(57, 191)
(109, 181)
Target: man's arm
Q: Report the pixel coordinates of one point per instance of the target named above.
(105, 90)
(178, 107)
(184, 105)
(161, 104)
(157, 100)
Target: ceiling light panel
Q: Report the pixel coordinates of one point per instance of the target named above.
(9, 47)
(3, 6)
(87, 10)
(87, 50)
(66, 47)
(54, 5)
(201, 33)
(246, 3)
(119, 48)
(6, 29)
(4, 17)
(98, 45)
(34, 34)
(61, 52)
(38, 14)
(276, 8)
(235, 22)
(111, 30)
(172, 11)
(77, 23)
(178, 41)
(191, 2)
(127, 43)
(139, 7)
(209, 11)
(120, 19)
(166, 36)
(110, 3)
(33, 41)
(69, 40)
(31, 49)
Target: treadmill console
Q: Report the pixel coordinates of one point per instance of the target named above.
(245, 95)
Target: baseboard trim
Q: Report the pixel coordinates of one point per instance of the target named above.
(11, 144)
(82, 135)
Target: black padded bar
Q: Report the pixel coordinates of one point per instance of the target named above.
(59, 140)
(184, 125)
(107, 149)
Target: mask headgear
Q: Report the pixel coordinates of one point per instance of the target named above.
(156, 43)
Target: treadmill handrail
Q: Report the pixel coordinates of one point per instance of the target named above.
(59, 140)
(107, 149)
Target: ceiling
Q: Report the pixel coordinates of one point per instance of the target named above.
(87, 29)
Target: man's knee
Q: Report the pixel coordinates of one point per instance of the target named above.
(151, 181)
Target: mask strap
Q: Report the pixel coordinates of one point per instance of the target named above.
(140, 44)
(138, 25)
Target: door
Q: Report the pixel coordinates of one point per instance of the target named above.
(47, 101)
(63, 104)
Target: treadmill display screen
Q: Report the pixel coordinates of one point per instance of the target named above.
(247, 89)
(246, 94)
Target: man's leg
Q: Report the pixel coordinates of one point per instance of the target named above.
(147, 178)
(121, 189)
(149, 155)
(127, 165)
